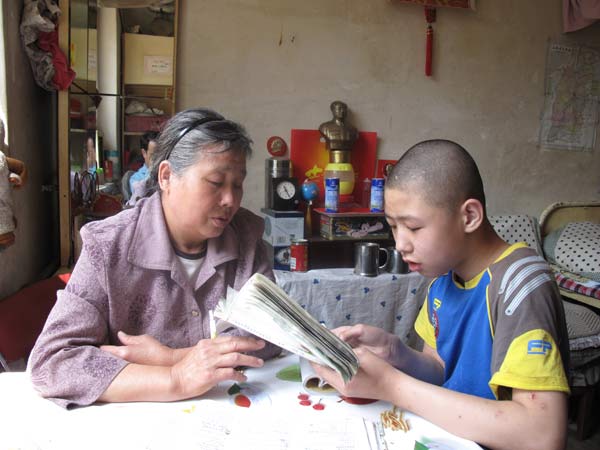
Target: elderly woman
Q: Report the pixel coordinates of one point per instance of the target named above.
(148, 277)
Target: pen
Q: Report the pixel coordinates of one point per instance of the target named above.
(212, 324)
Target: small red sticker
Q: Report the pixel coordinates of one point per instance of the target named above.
(242, 400)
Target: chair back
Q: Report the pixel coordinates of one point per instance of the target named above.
(23, 315)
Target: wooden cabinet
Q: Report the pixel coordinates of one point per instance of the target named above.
(117, 72)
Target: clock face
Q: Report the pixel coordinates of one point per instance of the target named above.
(286, 190)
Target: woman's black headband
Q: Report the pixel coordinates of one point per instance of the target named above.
(189, 128)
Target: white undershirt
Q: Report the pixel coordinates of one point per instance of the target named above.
(191, 267)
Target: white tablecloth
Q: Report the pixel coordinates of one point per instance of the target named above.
(338, 297)
(274, 419)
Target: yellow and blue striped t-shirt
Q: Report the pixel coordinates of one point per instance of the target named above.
(505, 327)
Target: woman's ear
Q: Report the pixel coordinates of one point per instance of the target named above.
(472, 214)
(164, 175)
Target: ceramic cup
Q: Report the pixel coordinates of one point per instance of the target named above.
(366, 259)
(395, 263)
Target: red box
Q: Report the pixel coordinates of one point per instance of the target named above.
(144, 123)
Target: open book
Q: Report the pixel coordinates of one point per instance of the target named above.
(265, 310)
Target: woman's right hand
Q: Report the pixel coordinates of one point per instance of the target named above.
(212, 361)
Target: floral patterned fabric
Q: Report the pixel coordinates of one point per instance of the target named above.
(338, 297)
(576, 248)
(515, 228)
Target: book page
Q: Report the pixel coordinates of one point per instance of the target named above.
(312, 383)
(302, 432)
(264, 309)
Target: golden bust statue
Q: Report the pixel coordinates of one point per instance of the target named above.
(340, 138)
(338, 134)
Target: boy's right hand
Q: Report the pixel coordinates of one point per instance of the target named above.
(373, 379)
(383, 344)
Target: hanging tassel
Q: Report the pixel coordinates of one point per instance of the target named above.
(430, 14)
(429, 50)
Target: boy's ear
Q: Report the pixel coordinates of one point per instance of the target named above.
(472, 215)
(164, 175)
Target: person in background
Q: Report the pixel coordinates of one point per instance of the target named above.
(133, 322)
(91, 163)
(147, 147)
(493, 366)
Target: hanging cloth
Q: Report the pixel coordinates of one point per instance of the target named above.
(578, 14)
(39, 17)
(63, 74)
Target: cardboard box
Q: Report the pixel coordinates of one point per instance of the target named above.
(282, 226)
(359, 225)
(279, 256)
(149, 59)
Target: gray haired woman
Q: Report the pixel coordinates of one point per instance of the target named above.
(133, 322)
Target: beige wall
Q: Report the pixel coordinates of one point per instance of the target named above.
(277, 64)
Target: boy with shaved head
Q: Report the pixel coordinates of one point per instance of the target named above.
(493, 366)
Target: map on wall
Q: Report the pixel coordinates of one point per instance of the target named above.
(571, 94)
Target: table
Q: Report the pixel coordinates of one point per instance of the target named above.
(275, 418)
(338, 297)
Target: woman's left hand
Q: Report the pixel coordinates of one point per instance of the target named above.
(142, 349)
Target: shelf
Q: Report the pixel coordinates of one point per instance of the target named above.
(324, 253)
(149, 91)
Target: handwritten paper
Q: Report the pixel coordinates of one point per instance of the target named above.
(158, 65)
